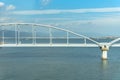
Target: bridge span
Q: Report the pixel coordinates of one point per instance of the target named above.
(40, 35)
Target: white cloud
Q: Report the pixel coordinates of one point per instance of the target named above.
(4, 19)
(45, 2)
(55, 11)
(1, 4)
(10, 7)
(34, 12)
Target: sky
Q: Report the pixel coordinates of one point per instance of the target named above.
(89, 17)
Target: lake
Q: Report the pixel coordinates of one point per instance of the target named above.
(58, 64)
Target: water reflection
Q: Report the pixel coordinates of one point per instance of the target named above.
(104, 70)
(104, 64)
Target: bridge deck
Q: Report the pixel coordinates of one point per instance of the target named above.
(48, 45)
(53, 45)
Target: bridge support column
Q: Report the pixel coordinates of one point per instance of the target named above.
(104, 50)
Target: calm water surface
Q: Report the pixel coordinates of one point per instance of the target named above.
(58, 64)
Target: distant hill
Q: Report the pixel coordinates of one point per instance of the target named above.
(9, 33)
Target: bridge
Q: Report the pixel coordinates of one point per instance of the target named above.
(40, 35)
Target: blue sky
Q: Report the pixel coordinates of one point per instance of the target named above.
(61, 4)
(89, 17)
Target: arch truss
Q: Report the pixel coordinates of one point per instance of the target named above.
(31, 34)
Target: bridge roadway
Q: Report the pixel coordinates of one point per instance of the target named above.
(49, 45)
(54, 45)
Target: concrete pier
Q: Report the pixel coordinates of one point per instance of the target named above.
(104, 50)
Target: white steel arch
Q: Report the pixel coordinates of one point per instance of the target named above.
(50, 27)
(114, 41)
